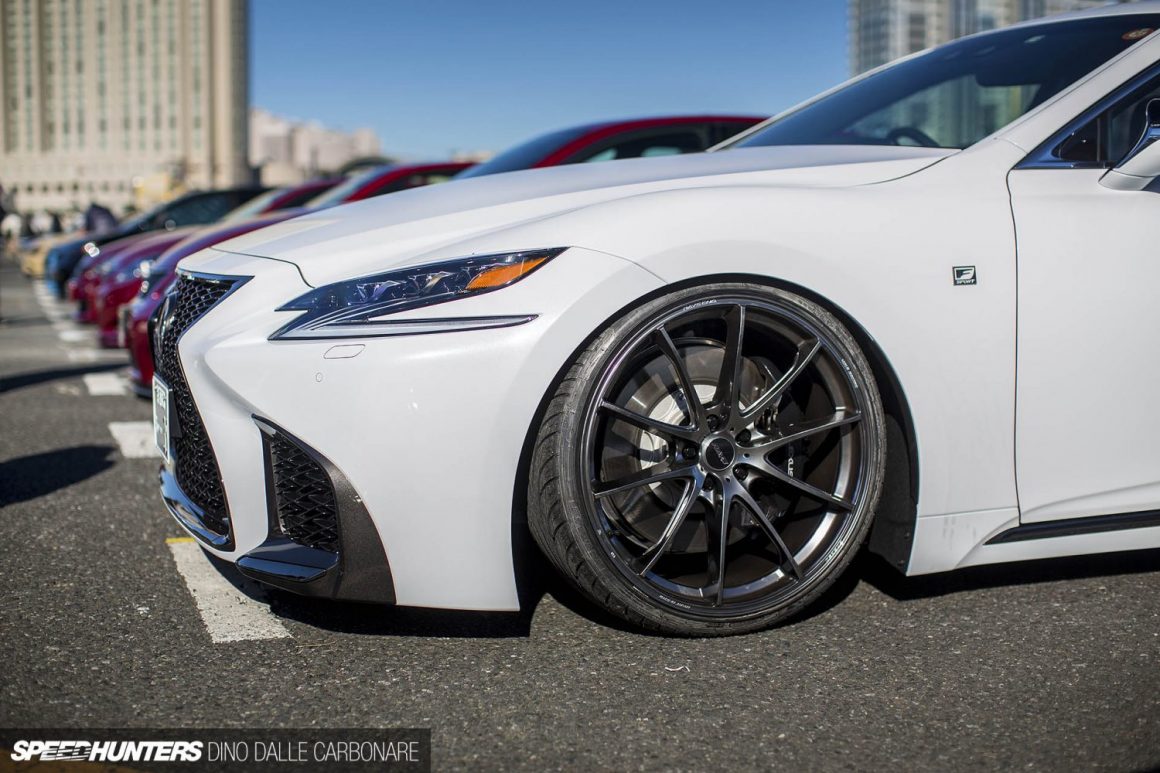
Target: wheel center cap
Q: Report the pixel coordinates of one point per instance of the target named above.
(719, 454)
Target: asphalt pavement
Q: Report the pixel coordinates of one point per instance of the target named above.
(1050, 666)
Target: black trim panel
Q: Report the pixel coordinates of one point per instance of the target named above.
(188, 514)
(1044, 158)
(1070, 527)
(359, 571)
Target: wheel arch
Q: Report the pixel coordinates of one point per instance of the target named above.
(892, 534)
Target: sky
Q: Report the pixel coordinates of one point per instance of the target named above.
(433, 77)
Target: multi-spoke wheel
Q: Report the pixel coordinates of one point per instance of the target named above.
(711, 462)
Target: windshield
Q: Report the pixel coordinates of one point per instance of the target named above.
(142, 220)
(345, 189)
(526, 154)
(254, 206)
(959, 93)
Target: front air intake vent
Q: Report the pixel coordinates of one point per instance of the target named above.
(303, 494)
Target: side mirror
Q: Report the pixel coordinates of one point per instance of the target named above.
(1141, 166)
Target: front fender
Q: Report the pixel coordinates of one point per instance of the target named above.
(883, 256)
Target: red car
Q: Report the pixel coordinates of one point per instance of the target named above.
(88, 271)
(612, 140)
(96, 267)
(86, 283)
(131, 330)
(387, 179)
(120, 278)
(134, 319)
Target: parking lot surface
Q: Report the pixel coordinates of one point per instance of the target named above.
(111, 619)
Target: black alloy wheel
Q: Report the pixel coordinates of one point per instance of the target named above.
(711, 462)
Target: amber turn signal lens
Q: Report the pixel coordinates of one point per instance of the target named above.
(502, 275)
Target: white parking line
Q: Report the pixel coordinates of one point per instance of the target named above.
(228, 614)
(104, 384)
(135, 439)
(95, 355)
(75, 336)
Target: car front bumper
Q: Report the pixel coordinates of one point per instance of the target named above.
(422, 433)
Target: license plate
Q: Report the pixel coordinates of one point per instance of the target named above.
(161, 417)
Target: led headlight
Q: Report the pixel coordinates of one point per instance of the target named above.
(357, 307)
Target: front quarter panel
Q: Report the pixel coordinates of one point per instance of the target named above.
(883, 255)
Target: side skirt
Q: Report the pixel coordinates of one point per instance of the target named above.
(946, 542)
(1069, 527)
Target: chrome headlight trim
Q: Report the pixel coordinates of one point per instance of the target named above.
(406, 327)
(362, 307)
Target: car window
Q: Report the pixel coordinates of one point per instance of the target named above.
(957, 94)
(935, 116)
(643, 145)
(1108, 137)
(278, 198)
(526, 154)
(254, 206)
(412, 181)
(342, 192)
(726, 129)
(199, 209)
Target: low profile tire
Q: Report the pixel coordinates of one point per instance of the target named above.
(711, 463)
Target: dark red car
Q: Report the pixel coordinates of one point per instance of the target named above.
(612, 140)
(120, 278)
(131, 330)
(134, 319)
(94, 270)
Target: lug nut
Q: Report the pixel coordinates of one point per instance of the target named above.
(690, 452)
(743, 437)
(714, 423)
(740, 472)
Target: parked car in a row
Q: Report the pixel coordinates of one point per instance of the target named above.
(122, 324)
(651, 137)
(616, 140)
(195, 208)
(106, 262)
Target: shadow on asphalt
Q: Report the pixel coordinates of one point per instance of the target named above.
(30, 477)
(29, 320)
(22, 380)
(540, 579)
(893, 583)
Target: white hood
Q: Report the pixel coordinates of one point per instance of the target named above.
(382, 233)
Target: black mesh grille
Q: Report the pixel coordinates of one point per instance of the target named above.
(303, 495)
(195, 467)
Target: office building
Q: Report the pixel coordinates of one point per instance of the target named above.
(123, 102)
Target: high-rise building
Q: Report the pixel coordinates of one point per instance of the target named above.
(116, 101)
(884, 30)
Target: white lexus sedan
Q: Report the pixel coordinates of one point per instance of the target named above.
(917, 312)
